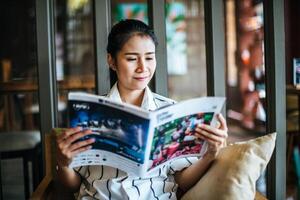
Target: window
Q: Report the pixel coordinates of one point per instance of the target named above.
(75, 56)
(186, 49)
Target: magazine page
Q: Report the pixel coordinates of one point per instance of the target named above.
(174, 130)
(120, 132)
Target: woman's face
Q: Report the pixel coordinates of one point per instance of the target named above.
(135, 64)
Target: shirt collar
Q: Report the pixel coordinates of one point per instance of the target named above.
(148, 99)
(148, 102)
(114, 94)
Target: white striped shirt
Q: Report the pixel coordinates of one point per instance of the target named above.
(104, 182)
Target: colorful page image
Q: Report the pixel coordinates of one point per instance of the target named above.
(115, 131)
(177, 138)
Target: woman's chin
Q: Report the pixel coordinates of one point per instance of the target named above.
(139, 86)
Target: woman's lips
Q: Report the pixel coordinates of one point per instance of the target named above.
(141, 78)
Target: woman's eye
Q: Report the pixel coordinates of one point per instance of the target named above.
(149, 58)
(131, 59)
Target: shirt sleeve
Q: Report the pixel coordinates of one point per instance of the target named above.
(181, 163)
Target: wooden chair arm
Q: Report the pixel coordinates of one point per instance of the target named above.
(50, 188)
(259, 196)
(43, 188)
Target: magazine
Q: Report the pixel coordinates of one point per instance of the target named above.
(135, 140)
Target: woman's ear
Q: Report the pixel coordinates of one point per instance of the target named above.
(111, 62)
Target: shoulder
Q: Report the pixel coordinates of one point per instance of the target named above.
(161, 101)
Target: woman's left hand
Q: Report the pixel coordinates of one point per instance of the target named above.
(215, 137)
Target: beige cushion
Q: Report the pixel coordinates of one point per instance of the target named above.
(235, 171)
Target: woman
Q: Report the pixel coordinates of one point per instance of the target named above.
(131, 55)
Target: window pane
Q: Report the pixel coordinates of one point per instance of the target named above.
(19, 106)
(131, 9)
(246, 113)
(75, 57)
(245, 65)
(186, 49)
(18, 61)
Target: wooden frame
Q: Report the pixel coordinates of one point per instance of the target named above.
(215, 47)
(275, 91)
(157, 20)
(102, 25)
(46, 66)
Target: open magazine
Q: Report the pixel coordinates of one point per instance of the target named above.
(135, 140)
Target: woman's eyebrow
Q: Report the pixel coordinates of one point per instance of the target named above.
(131, 53)
(135, 53)
(149, 53)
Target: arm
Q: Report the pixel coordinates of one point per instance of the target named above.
(216, 139)
(69, 178)
(190, 176)
(66, 150)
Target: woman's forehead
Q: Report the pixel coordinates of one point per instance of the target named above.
(139, 43)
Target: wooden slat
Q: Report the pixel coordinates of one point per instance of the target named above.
(259, 196)
(30, 85)
(43, 189)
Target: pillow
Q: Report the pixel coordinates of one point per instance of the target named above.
(234, 173)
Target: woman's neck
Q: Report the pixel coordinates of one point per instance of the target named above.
(134, 97)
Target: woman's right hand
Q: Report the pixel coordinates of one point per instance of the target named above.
(67, 149)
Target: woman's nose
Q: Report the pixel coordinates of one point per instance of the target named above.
(141, 65)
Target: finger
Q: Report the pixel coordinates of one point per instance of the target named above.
(210, 140)
(80, 144)
(218, 125)
(223, 122)
(199, 136)
(65, 134)
(213, 130)
(68, 141)
(64, 145)
(82, 149)
(212, 144)
(220, 144)
(208, 135)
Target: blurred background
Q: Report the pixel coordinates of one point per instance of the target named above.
(76, 70)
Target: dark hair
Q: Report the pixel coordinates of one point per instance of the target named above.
(123, 31)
